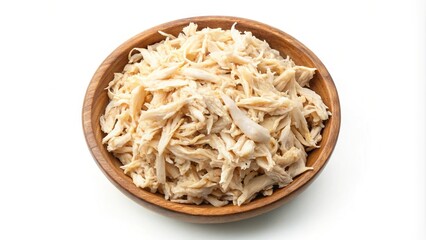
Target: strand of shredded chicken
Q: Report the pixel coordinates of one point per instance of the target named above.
(212, 116)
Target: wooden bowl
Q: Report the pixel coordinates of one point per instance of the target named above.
(96, 100)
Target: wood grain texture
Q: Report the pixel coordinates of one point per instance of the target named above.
(96, 100)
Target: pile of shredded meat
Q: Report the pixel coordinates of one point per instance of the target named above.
(212, 116)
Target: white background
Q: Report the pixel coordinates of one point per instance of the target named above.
(374, 186)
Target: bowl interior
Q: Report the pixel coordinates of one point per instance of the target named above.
(97, 99)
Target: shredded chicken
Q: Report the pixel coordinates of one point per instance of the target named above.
(212, 116)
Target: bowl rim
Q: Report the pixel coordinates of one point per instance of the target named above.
(148, 199)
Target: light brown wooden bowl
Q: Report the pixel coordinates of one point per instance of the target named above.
(96, 100)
